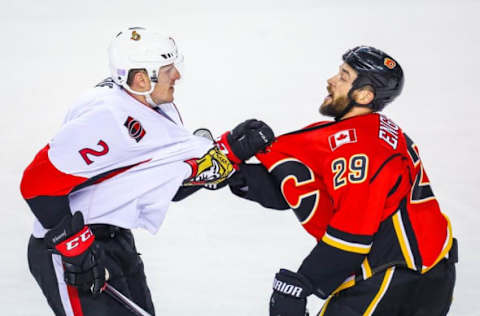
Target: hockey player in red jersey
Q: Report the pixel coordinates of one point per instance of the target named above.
(358, 186)
(120, 157)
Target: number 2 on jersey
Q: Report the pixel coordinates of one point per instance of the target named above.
(88, 151)
(357, 170)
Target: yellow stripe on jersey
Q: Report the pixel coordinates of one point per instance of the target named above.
(446, 247)
(349, 282)
(403, 240)
(324, 307)
(345, 245)
(366, 269)
(381, 292)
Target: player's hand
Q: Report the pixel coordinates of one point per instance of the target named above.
(81, 255)
(289, 297)
(245, 140)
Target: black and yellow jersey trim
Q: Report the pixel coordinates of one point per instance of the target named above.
(403, 240)
(381, 292)
(366, 269)
(360, 244)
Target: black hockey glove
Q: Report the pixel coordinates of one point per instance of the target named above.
(289, 297)
(81, 255)
(245, 140)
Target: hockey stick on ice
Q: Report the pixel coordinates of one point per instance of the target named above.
(125, 301)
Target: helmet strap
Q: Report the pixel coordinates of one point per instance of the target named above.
(150, 101)
(147, 94)
(346, 110)
(153, 82)
(350, 105)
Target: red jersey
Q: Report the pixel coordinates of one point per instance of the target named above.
(358, 185)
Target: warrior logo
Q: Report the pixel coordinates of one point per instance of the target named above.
(389, 63)
(135, 129)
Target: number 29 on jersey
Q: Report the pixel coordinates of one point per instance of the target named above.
(351, 170)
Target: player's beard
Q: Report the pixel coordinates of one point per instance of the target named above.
(335, 107)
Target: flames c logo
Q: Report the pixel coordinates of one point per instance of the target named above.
(389, 63)
(135, 129)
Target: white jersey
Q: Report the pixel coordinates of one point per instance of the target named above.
(119, 161)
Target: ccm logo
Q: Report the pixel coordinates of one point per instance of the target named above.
(75, 242)
(287, 288)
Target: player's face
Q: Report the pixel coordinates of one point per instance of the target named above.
(338, 88)
(164, 89)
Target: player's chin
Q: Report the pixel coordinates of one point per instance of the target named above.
(170, 97)
(328, 109)
(325, 105)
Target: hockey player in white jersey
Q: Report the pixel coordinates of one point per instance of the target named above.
(119, 159)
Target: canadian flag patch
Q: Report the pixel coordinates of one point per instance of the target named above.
(341, 138)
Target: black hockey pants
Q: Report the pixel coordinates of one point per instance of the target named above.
(398, 291)
(121, 260)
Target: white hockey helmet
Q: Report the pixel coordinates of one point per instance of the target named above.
(139, 48)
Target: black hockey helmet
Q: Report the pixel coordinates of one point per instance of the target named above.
(377, 69)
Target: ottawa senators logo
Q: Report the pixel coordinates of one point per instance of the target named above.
(389, 63)
(213, 168)
(135, 36)
(135, 129)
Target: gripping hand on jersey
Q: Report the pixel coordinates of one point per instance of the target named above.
(245, 140)
(81, 255)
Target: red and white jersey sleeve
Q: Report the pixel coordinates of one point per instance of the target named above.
(119, 161)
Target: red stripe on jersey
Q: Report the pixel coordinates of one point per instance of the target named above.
(74, 300)
(117, 172)
(41, 178)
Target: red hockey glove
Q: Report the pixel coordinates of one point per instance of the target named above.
(81, 255)
(245, 140)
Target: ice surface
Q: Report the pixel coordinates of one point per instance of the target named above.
(216, 254)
